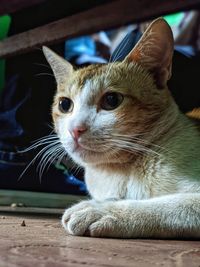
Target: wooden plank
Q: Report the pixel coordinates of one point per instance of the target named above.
(43, 242)
(106, 16)
(37, 199)
(103, 17)
(27, 211)
(7, 6)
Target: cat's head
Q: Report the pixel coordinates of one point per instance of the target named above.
(107, 113)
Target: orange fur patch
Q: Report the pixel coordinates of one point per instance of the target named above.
(194, 114)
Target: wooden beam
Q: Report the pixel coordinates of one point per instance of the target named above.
(36, 199)
(103, 17)
(32, 211)
(7, 7)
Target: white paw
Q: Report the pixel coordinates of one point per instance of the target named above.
(106, 226)
(75, 208)
(89, 218)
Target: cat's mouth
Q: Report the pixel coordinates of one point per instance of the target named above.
(87, 154)
(79, 148)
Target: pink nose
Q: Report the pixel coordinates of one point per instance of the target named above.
(78, 131)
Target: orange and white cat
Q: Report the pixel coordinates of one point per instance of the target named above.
(140, 153)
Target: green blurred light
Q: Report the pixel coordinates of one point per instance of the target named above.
(174, 19)
(4, 28)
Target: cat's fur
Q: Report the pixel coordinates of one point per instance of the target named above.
(142, 159)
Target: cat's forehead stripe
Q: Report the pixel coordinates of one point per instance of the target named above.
(85, 81)
(89, 72)
(89, 90)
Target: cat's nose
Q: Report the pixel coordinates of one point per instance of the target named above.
(78, 131)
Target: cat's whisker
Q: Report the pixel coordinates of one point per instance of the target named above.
(118, 54)
(46, 158)
(131, 150)
(43, 65)
(46, 141)
(159, 149)
(60, 150)
(120, 47)
(40, 142)
(129, 144)
(61, 153)
(134, 138)
(137, 139)
(51, 126)
(133, 146)
(75, 168)
(35, 158)
(36, 145)
(50, 136)
(44, 74)
(61, 156)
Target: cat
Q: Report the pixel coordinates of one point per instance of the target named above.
(141, 155)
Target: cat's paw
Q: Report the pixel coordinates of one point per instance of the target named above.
(89, 218)
(107, 226)
(70, 212)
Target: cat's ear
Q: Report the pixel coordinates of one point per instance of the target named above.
(154, 51)
(61, 68)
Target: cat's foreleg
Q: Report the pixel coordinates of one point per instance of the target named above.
(171, 216)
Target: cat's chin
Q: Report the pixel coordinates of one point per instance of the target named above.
(96, 156)
(84, 157)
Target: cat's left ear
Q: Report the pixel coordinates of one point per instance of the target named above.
(154, 51)
(61, 68)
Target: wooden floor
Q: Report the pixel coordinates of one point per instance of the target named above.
(38, 240)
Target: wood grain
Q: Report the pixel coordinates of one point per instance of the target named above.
(103, 17)
(43, 242)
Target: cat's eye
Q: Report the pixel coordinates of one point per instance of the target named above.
(111, 100)
(65, 105)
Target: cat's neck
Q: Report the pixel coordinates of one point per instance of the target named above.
(147, 175)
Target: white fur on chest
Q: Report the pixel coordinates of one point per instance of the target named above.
(152, 179)
(106, 185)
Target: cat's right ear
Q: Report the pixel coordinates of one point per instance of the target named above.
(61, 68)
(154, 51)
